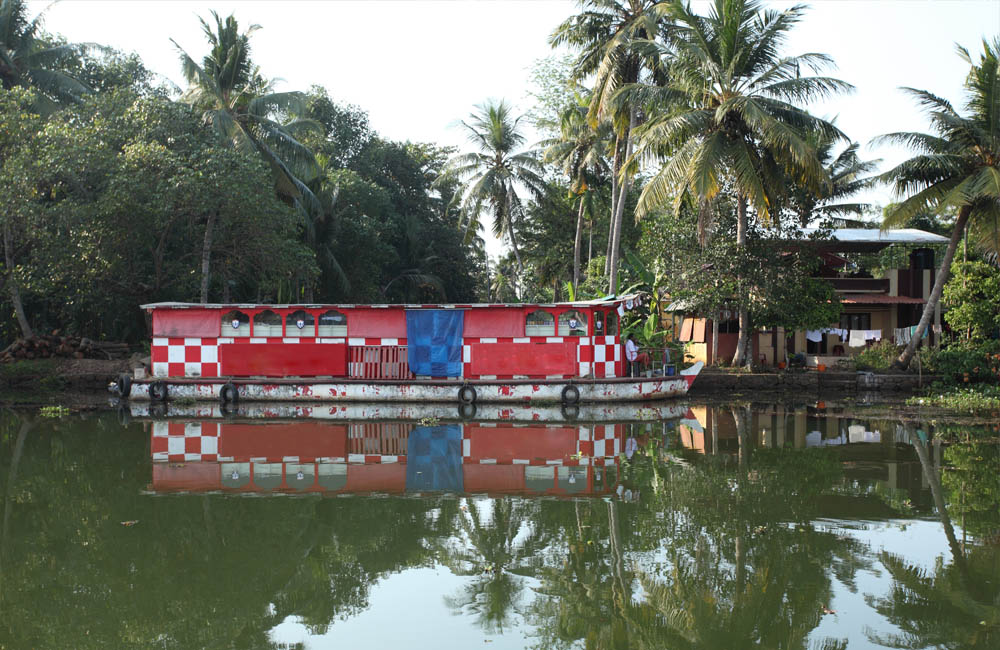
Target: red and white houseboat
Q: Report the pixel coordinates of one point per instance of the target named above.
(526, 353)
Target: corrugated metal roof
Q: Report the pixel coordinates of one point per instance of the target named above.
(873, 236)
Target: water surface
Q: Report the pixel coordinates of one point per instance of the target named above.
(666, 527)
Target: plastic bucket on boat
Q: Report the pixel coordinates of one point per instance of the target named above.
(670, 370)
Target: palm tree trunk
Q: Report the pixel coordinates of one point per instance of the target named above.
(517, 256)
(206, 255)
(932, 302)
(577, 245)
(15, 292)
(620, 213)
(744, 314)
(615, 168)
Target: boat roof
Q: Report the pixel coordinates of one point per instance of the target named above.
(606, 301)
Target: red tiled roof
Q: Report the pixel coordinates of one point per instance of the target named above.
(878, 299)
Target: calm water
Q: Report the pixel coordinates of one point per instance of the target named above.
(677, 527)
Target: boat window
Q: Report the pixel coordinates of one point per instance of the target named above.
(267, 323)
(572, 323)
(235, 323)
(332, 323)
(598, 323)
(540, 323)
(611, 324)
(300, 323)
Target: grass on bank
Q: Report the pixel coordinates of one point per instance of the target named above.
(978, 397)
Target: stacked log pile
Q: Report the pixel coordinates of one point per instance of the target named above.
(52, 345)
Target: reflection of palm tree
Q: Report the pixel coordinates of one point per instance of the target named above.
(940, 608)
(499, 549)
(950, 607)
(15, 460)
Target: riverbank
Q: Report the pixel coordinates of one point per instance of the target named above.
(720, 380)
(81, 384)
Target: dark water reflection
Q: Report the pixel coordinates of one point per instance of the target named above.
(633, 528)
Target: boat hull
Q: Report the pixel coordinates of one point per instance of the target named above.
(539, 391)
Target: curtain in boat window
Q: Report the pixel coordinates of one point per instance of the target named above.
(434, 342)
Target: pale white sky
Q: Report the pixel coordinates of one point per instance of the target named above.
(417, 67)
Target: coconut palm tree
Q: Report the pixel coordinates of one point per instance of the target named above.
(493, 173)
(581, 153)
(30, 62)
(956, 167)
(847, 175)
(604, 33)
(243, 109)
(737, 121)
(27, 61)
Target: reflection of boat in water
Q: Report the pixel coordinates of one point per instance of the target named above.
(322, 456)
(365, 411)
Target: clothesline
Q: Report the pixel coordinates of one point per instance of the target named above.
(858, 337)
(855, 338)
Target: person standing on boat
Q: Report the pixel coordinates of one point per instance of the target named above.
(631, 354)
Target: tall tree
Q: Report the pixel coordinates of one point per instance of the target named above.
(957, 167)
(605, 33)
(495, 171)
(27, 61)
(580, 151)
(738, 123)
(847, 175)
(243, 109)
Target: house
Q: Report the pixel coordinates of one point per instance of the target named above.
(875, 305)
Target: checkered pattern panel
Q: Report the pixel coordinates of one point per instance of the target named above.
(185, 441)
(185, 357)
(603, 441)
(607, 355)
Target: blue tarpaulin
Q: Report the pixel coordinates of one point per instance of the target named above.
(434, 342)
(434, 459)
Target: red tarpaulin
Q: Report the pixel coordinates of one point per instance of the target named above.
(306, 440)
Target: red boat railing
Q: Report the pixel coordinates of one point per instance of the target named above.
(378, 362)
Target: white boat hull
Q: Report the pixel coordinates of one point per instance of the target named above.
(540, 391)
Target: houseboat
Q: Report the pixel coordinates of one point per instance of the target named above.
(487, 353)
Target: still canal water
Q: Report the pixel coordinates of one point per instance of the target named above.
(678, 527)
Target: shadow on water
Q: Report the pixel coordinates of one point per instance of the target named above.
(639, 527)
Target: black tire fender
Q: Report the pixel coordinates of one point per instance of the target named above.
(228, 394)
(467, 394)
(570, 394)
(158, 391)
(570, 412)
(124, 385)
(467, 411)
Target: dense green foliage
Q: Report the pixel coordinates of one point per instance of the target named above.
(123, 196)
(678, 154)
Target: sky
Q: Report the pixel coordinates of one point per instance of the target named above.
(418, 67)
